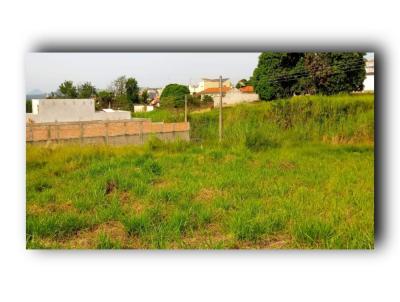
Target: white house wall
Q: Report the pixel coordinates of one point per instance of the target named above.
(369, 83)
(236, 97)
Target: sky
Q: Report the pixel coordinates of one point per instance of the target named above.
(46, 71)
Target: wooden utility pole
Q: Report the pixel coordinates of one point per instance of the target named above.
(185, 108)
(220, 108)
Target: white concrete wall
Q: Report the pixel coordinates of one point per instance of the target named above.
(139, 108)
(35, 106)
(143, 108)
(235, 96)
(71, 110)
(65, 110)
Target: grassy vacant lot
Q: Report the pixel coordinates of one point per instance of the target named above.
(290, 174)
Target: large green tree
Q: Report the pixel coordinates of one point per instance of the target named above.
(174, 95)
(68, 90)
(104, 99)
(132, 90)
(334, 72)
(118, 86)
(86, 90)
(275, 74)
(144, 97)
(281, 75)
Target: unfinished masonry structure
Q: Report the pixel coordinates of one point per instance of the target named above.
(76, 121)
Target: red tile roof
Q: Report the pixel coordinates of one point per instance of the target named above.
(247, 89)
(215, 90)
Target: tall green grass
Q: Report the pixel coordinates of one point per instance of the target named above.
(332, 119)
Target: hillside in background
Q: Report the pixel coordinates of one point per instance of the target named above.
(35, 94)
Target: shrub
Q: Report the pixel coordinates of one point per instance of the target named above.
(208, 99)
(258, 141)
(154, 143)
(152, 167)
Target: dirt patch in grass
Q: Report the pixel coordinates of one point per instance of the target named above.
(272, 242)
(87, 239)
(287, 165)
(36, 209)
(131, 204)
(161, 183)
(126, 198)
(208, 194)
(212, 237)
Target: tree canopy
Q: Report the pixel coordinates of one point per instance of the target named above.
(104, 99)
(86, 90)
(132, 90)
(242, 83)
(118, 86)
(280, 75)
(174, 95)
(144, 97)
(67, 89)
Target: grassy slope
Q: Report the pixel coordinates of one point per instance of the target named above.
(290, 174)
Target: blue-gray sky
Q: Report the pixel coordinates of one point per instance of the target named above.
(45, 71)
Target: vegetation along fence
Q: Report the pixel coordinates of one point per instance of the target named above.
(108, 132)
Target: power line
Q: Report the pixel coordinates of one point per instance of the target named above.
(347, 63)
(307, 75)
(293, 75)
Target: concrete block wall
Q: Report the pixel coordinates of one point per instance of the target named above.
(109, 132)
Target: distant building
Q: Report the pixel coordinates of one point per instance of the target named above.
(152, 93)
(370, 77)
(206, 83)
(71, 110)
(231, 96)
(155, 102)
(247, 89)
(236, 96)
(142, 108)
(214, 91)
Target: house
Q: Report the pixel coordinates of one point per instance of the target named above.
(231, 96)
(370, 77)
(155, 102)
(152, 93)
(214, 92)
(71, 110)
(236, 96)
(247, 89)
(206, 83)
